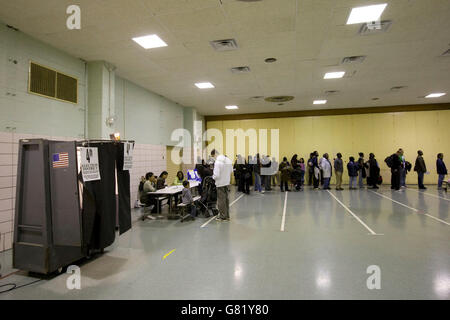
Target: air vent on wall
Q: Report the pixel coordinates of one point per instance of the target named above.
(224, 45)
(446, 53)
(367, 28)
(51, 83)
(353, 59)
(240, 69)
(331, 92)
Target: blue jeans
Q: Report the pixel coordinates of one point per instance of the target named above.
(352, 182)
(258, 182)
(420, 179)
(440, 180)
(360, 179)
(326, 183)
(402, 177)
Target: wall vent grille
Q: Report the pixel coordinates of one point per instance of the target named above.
(52, 84)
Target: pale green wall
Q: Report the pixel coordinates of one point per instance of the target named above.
(145, 116)
(30, 113)
(142, 115)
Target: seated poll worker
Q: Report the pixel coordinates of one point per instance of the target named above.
(186, 198)
(178, 181)
(149, 186)
(161, 181)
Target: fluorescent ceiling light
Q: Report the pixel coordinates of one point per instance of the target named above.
(320, 101)
(435, 95)
(231, 107)
(366, 14)
(150, 41)
(204, 85)
(334, 75)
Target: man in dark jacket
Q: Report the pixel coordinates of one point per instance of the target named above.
(395, 170)
(420, 168)
(441, 169)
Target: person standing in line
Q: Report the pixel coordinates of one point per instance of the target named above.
(223, 168)
(395, 165)
(403, 170)
(275, 174)
(441, 169)
(373, 171)
(420, 168)
(294, 161)
(247, 175)
(285, 174)
(310, 169)
(266, 173)
(316, 175)
(302, 169)
(362, 170)
(257, 171)
(325, 165)
(352, 169)
(339, 170)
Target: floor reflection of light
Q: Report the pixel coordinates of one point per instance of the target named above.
(323, 280)
(237, 272)
(442, 285)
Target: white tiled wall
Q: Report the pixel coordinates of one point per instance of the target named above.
(146, 158)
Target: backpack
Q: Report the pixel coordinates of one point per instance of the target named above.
(389, 161)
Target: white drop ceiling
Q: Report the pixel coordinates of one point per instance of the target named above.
(307, 37)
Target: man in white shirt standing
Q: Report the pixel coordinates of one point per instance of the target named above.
(223, 167)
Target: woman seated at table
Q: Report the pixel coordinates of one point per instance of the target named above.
(161, 182)
(178, 182)
(149, 186)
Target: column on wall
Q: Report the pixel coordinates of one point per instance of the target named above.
(101, 100)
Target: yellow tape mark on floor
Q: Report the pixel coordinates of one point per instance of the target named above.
(167, 254)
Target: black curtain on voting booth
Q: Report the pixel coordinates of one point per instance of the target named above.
(123, 186)
(99, 198)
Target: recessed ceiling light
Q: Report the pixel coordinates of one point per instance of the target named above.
(231, 107)
(150, 41)
(320, 101)
(366, 14)
(435, 95)
(334, 75)
(204, 85)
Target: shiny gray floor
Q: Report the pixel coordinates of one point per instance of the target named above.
(323, 253)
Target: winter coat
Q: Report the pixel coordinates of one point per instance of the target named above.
(325, 165)
(420, 165)
(440, 166)
(285, 171)
(352, 169)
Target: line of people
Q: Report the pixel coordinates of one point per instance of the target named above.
(267, 173)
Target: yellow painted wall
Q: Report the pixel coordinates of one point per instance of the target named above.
(172, 168)
(381, 134)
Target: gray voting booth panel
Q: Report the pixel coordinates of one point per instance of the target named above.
(47, 227)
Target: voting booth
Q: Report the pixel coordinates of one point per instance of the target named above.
(68, 207)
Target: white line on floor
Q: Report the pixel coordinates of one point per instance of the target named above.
(402, 204)
(431, 195)
(354, 215)
(283, 219)
(413, 209)
(206, 223)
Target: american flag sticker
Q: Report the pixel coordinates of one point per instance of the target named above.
(61, 160)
